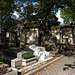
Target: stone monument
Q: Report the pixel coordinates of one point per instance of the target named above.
(38, 51)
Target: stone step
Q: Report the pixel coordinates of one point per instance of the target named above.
(30, 61)
(47, 57)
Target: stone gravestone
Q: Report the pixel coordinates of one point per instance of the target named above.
(38, 51)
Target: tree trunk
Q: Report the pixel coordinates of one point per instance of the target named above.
(46, 19)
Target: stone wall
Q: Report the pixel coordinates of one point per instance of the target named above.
(30, 35)
(63, 35)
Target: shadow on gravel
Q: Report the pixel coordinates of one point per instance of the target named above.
(67, 66)
(70, 53)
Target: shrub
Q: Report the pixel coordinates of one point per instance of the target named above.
(1, 62)
(2, 59)
(28, 56)
(50, 32)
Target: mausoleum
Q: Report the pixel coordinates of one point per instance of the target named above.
(64, 33)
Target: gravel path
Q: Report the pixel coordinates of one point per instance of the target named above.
(65, 66)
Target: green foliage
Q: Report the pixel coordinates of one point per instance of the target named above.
(48, 9)
(44, 10)
(44, 13)
(5, 4)
(6, 10)
(53, 21)
(68, 13)
(50, 32)
(1, 62)
(2, 59)
(28, 56)
(27, 12)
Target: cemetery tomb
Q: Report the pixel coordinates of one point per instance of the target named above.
(11, 52)
(38, 51)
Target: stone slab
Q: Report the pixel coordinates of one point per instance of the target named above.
(41, 67)
(30, 61)
(12, 73)
(21, 54)
(16, 62)
(11, 52)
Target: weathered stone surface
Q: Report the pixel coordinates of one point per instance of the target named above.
(3, 68)
(21, 54)
(16, 62)
(11, 73)
(65, 66)
(49, 42)
(11, 52)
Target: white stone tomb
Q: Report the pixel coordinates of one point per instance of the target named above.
(38, 51)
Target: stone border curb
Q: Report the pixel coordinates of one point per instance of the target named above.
(43, 66)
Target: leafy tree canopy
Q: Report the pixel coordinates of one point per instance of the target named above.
(68, 13)
(44, 10)
(6, 10)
